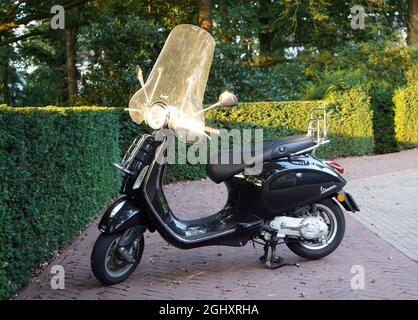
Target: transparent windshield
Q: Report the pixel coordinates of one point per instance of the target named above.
(179, 76)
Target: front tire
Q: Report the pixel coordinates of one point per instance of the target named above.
(107, 266)
(315, 250)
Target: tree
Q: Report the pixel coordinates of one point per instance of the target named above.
(266, 49)
(70, 39)
(5, 53)
(23, 13)
(412, 22)
(121, 36)
(33, 20)
(266, 33)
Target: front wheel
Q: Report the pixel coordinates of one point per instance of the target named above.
(106, 263)
(333, 216)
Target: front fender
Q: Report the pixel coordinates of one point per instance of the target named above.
(121, 215)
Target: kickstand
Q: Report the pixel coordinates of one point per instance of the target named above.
(274, 261)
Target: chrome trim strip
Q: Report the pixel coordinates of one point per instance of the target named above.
(140, 178)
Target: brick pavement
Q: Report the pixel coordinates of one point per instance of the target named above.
(166, 272)
(389, 207)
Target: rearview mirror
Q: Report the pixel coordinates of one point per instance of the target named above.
(228, 99)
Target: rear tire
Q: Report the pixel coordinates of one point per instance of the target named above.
(312, 251)
(107, 266)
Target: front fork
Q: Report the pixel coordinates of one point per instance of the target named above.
(127, 239)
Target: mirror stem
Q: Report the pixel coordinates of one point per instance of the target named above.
(217, 104)
(140, 77)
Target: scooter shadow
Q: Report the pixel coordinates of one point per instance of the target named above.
(163, 264)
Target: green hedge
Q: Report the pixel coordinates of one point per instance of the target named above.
(406, 116)
(55, 176)
(383, 117)
(350, 127)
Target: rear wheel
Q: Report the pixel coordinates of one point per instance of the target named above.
(106, 263)
(330, 212)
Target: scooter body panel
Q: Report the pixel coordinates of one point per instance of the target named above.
(283, 185)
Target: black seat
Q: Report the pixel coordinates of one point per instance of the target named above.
(266, 151)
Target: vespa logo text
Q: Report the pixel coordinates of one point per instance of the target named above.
(323, 189)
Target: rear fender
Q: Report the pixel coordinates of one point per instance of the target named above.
(121, 215)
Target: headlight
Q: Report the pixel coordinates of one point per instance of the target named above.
(157, 116)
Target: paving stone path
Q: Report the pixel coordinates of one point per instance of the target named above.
(382, 240)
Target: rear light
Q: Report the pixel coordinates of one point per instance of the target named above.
(335, 165)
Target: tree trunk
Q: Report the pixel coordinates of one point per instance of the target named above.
(70, 40)
(6, 90)
(265, 35)
(226, 36)
(412, 37)
(205, 15)
(4, 74)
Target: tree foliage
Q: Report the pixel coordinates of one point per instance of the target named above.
(266, 49)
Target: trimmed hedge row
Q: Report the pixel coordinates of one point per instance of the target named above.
(406, 116)
(55, 176)
(350, 127)
(383, 118)
(349, 123)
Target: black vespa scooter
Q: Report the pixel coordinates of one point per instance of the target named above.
(294, 200)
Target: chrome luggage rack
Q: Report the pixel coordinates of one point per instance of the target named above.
(317, 129)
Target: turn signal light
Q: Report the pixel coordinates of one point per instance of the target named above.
(341, 197)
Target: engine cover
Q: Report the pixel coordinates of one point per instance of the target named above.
(309, 228)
